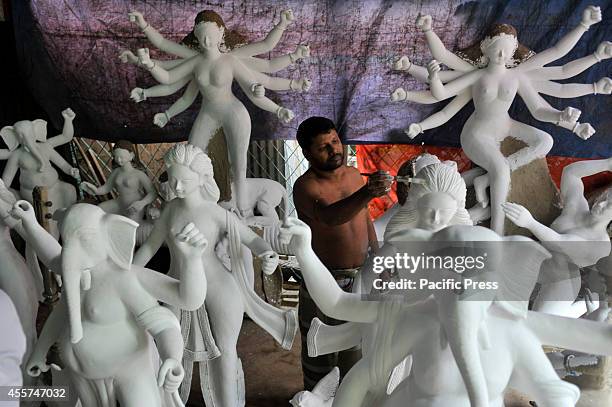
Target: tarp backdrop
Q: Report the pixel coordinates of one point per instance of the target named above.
(68, 50)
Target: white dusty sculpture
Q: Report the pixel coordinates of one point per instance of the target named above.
(577, 238)
(211, 332)
(264, 195)
(32, 154)
(437, 176)
(322, 395)
(13, 346)
(212, 70)
(491, 73)
(16, 279)
(111, 307)
(488, 343)
(135, 191)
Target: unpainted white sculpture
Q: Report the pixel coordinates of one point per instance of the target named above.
(492, 73)
(16, 280)
(322, 395)
(135, 191)
(32, 154)
(489, 344)
(13, 345)
(212, 71)
(437, 176)
(111, 306)
(264, 195)
(577, 238)
(211, 332)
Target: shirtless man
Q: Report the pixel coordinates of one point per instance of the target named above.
(332, 199)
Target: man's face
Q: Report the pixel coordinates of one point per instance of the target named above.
(326, 152)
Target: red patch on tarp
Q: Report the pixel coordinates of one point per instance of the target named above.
(389, 157)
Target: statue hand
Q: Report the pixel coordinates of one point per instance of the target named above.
(68, 114)
(301, 52)
(603, 86)
(75, 173)
(161, 119)
(584, 130)
(398, 95)
(144, 58)
(301, 85)
(190, 241)
(413, 130)
(424, 23)
(269, 261)
(128, 56)
(284, 114)
(89, 188)
(570, 115)
(138, 18)
(258, 90)
(379, 184)
(433, 67)
(170, 375)
(136, 207)
(591, 15)
(402, 64)
(604, 51)
(518, 214)
(138, 95)
(38, 364)
(296, 234)
(24, 211)
(287, 17)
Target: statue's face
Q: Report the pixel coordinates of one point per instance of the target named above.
(122, 156)
(500, 49)
(436, 210)
(326, 151)
(183, 181)
(209, 34)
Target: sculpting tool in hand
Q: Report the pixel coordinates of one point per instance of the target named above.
(400, 178)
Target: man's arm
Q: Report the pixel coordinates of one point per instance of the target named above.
(372, 238)
(308, 201)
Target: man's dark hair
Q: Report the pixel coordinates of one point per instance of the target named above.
(311, 128)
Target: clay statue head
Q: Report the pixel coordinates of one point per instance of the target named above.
(435, 210)
(91, 238)
(123, 152)
(320, 143)
(27, 134)
(190, 172)
(499, 47)
(412, 167)
(209, 31)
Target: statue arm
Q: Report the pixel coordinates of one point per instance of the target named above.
(566, 71)
(591, 15)
(564, 90)
(58, 160)
(166, 45)
(265, 45)
(5, 153)
(539, 108)
(271, 65)
(183, 103)
(167, 77)
(444, 91)
(330, 298)
(158, 234)
(42, 242)
(66, 136)
(165, 90)
(272, 83)
(572, 188)
(246, 79)
(451, 109)
(11, 168)
(440, 53)
(147, 186)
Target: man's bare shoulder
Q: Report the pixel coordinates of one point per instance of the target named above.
(305, 182)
